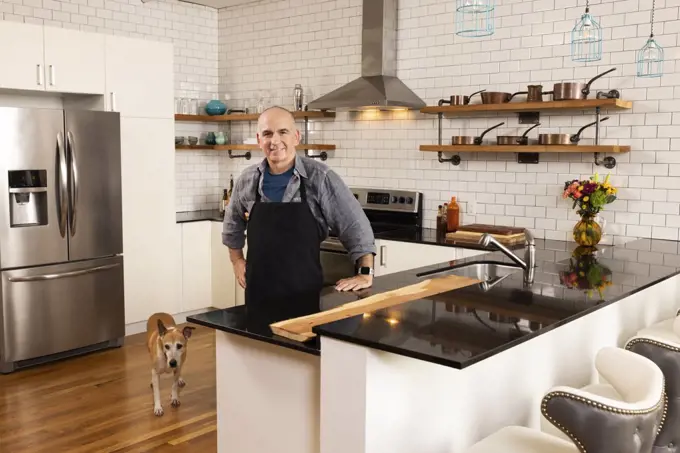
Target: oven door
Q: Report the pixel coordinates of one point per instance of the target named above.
(335, 262)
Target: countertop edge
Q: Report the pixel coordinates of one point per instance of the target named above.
(252, 336)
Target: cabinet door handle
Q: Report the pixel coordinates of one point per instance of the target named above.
(53, 76)
(40, 74)
(113, 101)
(383, 255)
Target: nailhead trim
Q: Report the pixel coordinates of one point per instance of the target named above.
(589, 402)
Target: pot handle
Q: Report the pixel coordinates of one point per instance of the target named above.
(577, 137)
(586, 90)
(530, 129)
(515, 94)
(467, 100)
(478, 140)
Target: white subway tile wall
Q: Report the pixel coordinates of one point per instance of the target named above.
(193, 31)
(273, 45)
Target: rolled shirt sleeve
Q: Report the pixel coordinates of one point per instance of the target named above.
(346, 217)
(234, 224)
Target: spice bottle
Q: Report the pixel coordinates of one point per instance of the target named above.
(452, 216)
(441, 223)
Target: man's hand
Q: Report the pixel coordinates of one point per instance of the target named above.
(240, 272)
(355, 283)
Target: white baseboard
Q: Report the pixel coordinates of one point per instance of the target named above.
(180, 318)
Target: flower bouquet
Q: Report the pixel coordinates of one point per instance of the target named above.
(586, 273)
(589, 196)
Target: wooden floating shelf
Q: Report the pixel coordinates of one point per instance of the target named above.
(242, 147)
(246, 117)
(526, 149)
(530, 106)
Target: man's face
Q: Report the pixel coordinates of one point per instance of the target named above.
(277, 136)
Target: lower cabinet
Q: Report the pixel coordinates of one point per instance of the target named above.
(395, 256)
(196, 266)
(224, 285)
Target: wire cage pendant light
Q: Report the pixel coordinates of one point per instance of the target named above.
(475, 18)
(586, 38)
(650, 58)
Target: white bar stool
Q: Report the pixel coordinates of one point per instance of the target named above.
(660, 343)
(592, 422)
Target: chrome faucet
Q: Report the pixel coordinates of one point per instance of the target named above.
(529, 262)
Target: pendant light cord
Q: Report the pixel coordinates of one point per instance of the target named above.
(587, 6)
(653, 8)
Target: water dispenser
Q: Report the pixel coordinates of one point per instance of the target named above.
(27, 198)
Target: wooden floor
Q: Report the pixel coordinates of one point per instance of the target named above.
(102, 402)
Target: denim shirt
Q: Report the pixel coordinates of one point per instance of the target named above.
(332, 204)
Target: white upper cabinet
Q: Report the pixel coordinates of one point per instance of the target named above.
(22, 56)
(139, 78)
(74, 61)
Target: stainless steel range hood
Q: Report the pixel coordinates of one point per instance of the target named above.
(378, 86)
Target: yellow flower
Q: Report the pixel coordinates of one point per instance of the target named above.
(586, 198)
(606, 180)
(580, 188)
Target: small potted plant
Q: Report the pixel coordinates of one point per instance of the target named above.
(589, 196)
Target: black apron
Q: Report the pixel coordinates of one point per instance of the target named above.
(283, 265)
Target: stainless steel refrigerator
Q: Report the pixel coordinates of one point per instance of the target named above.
(61, 241)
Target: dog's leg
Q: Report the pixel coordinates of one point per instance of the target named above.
(174, 401)
(180, 382)
(156, 384)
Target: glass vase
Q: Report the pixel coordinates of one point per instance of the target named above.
(587, 232)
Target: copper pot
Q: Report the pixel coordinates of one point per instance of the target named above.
(523, 140)
(575, 91)
(565, 139)
(468, 140)
(458, 99)
(536, 93)
(497, 97)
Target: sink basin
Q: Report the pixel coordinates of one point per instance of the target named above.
(481, 270)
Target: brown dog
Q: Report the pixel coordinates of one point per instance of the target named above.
(168, 350)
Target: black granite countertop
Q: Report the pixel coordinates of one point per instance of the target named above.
(464, 326)
(429, 236)
(199, 216)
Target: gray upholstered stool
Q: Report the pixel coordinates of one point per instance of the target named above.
(660, 343)
(592, 422)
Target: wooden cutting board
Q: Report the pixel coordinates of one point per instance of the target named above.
(493, 229)
(471, 236)
(300, 329)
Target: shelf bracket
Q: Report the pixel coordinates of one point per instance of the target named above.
(247, 155)
(608, 162)
(455, 160)
(323, 155)
(529, 117)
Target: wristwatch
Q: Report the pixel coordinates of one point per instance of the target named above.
(364, 270)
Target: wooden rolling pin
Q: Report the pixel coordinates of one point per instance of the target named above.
(300, 329)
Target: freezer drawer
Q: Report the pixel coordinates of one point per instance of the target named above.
(53, 309)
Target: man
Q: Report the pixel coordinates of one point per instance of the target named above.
(291, 202)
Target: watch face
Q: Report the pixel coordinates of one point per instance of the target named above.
(365, 270)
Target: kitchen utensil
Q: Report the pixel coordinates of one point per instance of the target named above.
(573, 91)
(515, 139)
(497, 97)
(300, 329)
(458, 99)
(536, 93)
(469, 140)
(611, 94)
(565, 139)
(492, 229)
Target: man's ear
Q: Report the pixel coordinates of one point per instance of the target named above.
(187, 331)
(161, 328)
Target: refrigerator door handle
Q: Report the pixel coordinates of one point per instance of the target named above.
(35, 278)
(62, 172)
(70, 143)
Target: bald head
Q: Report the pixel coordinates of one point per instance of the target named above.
(278, 136)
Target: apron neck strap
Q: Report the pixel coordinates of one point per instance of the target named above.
(303, 190)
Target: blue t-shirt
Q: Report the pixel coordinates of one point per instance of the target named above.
(274, 186)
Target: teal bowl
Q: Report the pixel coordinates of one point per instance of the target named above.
(215, 107)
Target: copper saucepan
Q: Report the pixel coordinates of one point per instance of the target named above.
(469, 140)
(497, 97)
(505, 140)
(565, 139)
(458, 99)
(575, 91)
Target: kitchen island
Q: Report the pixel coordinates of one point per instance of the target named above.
(440, 373)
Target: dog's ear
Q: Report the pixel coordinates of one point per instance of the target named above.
(187, 331)
(161, 328)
